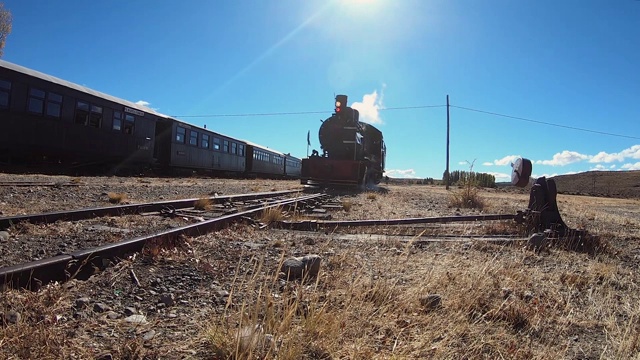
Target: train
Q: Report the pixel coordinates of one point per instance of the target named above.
(51, 122)
(353, 152)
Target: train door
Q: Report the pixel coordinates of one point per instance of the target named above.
(162, 146)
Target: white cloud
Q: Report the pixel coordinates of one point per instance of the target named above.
(401, 174)
(612, 166)
(630, 153)
(143, 103)
(463, 163)
(564, 158)
(500, 177)
(370, 107)
(630, 166)
(507, 160)
(535, 176)
(598, 167)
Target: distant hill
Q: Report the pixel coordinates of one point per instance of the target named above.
(620, 184)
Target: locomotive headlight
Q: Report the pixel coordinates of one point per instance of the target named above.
(338, 106)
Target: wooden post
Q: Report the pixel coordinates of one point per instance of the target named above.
(447, 171)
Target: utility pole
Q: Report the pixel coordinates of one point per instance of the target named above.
(447, 171)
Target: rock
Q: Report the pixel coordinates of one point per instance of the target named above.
(4, 236)
(149, 335)
(167, 299)
(431, 302)
(293, 268)
(105, 356)
(100, 307)
(312, 264)
(82, 302)
(112, 315)
(128, 311)
(12, 317)
(299, 267)
(136, 319)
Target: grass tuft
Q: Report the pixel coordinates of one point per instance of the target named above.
(271, 215)
(116, 198)
(347, 205)
(202, 204)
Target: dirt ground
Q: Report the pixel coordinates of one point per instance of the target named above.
(381, 292)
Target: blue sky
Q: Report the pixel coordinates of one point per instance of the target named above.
(572, 63)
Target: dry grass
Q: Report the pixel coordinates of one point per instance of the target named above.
(271, 215)
(202, 204)
(493, 307)
(498, 300)
(117, 198)
(467, 197)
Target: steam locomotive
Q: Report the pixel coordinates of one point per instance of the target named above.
(353, 152)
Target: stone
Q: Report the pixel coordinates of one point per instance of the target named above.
(12, 317)
(299, 267)
(136, 319)
(128, 311)
(292, 268)
(431, 302)
(82, 302)
(149, 335)
(100, 307)
(4, 236)
(167, 299)
(112, 315)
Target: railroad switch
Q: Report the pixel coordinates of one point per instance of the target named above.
(542, 216)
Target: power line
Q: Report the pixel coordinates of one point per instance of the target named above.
(409, 108)
(546, 123)
(298, 112)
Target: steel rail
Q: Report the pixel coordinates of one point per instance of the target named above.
(119, 210)
(80, 264)
(317, 224)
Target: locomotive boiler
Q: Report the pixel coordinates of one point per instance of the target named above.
(352, 152)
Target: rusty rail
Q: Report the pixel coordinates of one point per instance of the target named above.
(80, 263)
(317, 224)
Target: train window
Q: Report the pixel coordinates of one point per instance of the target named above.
(193, 138)
(5, 89)
(225, 146)
(36, 101)
(216, 143)
(234, 148)
(95, 117)
(240, 149)
(181, 135)
(117, 121)
(205, 141)
(129, 123)
(54, 105)
(82, 113)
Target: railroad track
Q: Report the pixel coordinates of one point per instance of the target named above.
(81, 263)
(119, 210)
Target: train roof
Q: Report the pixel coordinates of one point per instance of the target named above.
(269, 150)
(84, 89)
